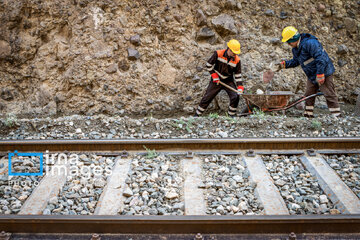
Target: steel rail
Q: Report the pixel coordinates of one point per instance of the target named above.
(181, 144)
(180, 224)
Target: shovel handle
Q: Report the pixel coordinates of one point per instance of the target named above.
(231, 88)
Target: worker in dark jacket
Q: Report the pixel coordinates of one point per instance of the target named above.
(224, 65)
(308, 52)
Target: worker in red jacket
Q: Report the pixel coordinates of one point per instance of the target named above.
(224, 65)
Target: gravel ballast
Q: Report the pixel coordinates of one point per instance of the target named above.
(83, 187)
(300, 191)
(154, 186)
(348, 169)
(228, 190)
(14, 190)
(208, 126)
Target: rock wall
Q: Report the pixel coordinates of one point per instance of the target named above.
(148, 56)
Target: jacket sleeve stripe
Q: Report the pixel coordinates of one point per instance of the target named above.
(220, 75)
(209, 67)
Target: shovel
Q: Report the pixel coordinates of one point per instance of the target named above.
(269, 74)
(231, 88)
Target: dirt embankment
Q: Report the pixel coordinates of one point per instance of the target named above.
(136, 57)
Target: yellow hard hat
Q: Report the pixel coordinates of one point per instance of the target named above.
(234, 46)
(288, 33)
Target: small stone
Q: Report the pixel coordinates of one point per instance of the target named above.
(179, 206)
(123, 65)
(283, 15)
(46, 212)
(111, 69)
(342, 49)
(321, 7)
(153, 211)
(323, 208)
(196, 78)
(238, 179)
(23, 197)
(243, 206)
(269, 12)
(84, 212)
(342, 62)
(177, 17)
(220, 209)
(28, 163)
(223, 134)
(171, 194)
(99, 183)
(108, 160)
(234, 209)
(334, 211)
(70, 202)
(127, 192)
(162, 211)
(280, 182)
(275, 41)
(290, 198)
(135, 40)
(78, 130)
(323, 199)
(133, 54)
(53, 200)
(295, 206)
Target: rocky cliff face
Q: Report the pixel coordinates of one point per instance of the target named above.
(148, 56)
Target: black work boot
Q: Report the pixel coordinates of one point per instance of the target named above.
(308, 116)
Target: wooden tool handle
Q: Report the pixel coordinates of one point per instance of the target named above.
(231, 88)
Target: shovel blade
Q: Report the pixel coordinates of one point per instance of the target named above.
(268, 76)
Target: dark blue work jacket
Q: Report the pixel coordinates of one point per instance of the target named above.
(312, 58)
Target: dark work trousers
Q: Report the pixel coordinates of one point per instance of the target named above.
(328, 89)
(211, 92)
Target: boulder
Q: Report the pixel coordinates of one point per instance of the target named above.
(166, 74)
(205, 33)
(342, 49)
(200, 18)
(224, 24)
(350, 24)
(5, 49)
(6, 94)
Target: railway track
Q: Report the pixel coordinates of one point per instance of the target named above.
(219, 188)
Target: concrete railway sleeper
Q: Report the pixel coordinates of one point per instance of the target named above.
(203, 187)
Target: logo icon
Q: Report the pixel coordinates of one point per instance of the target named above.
(15, 154)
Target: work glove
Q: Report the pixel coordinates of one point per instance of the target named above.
(215, 78)
(281, 66)
(320, 78)
(240, 89)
